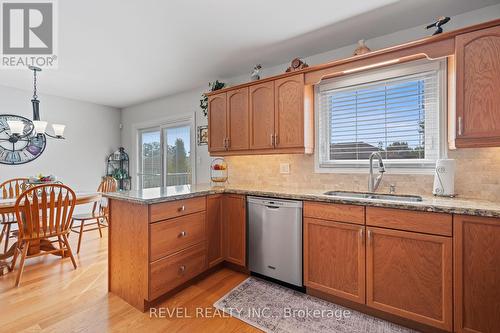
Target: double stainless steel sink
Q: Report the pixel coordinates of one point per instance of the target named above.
(362, 195)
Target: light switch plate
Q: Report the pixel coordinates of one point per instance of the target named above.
(284, 167)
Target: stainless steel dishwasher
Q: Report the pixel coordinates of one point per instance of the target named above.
(275, 238)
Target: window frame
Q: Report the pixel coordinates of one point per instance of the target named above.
(401, 166)
(161, 125)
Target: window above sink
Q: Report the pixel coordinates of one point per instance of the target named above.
(399, 111)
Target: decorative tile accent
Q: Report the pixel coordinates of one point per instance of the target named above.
(477, 175)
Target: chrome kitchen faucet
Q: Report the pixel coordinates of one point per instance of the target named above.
(374, 183)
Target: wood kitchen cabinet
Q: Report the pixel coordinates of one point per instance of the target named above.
(234, 224)
(238, 135)
(477, 82)
(262, 116)
(334, 258)
(271, 117)
(154, 248)
(289, 112)
(477, 274)
(228, 121)
(215, 248)
(217, 123)
(409, 274)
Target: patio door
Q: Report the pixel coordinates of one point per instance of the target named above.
(166, 155)
(177, 155)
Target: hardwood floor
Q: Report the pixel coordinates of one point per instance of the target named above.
(55, 298)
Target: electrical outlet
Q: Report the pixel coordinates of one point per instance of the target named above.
(284, 167)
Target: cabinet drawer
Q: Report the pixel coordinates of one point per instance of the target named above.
(172, 271)
(168, 210)
(425, 222)
(176, 234)
(335, 212)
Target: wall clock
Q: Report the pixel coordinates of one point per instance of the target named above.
(22, 148)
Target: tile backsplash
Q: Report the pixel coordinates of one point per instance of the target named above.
(477, 175)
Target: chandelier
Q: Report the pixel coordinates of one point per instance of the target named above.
(39, 126)
(21, 139)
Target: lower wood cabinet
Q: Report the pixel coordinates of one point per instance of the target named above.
(410, 275)
(215, 248)
(234, 225)
(477, 274)
(174, 270)
(334, 258)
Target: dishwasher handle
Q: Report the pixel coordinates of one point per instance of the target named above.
(273, 207)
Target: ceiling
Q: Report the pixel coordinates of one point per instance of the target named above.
(123, 52)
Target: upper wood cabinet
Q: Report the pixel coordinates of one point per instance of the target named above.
(289, 112)
(477, 90)
(334, 258)
(410, 275)
(262, 116)
(476, 274)
(237, 120)
(269, 117)
(217, 123)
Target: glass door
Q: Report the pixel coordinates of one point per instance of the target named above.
(177, 155)
(150, 158)
(165, 155)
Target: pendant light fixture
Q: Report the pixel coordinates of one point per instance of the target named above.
(22, 140)
(39, 126)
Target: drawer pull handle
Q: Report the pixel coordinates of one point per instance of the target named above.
(182, 208)
(183, 234)
(182, 269)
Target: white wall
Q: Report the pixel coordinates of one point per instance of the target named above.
(188, 102)
(92, 132)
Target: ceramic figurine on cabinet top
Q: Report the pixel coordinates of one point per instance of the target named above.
(296, 65)
(362, 48)
(255, 75)
(440, 21)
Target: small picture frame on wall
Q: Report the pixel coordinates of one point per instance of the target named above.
(202, 135)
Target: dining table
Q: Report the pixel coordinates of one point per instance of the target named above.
(7, 206)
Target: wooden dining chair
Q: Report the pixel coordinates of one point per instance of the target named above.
(99, 213)
(44, 212)
(10, 189)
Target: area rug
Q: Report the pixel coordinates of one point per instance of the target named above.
(274, 308)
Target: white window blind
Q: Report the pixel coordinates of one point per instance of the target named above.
(396, 116)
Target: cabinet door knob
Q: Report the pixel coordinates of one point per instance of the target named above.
(182, 269)
(272, 140)
(183, 234)
(460, 126)
(361, 236)
(182, 208)
(276, 139)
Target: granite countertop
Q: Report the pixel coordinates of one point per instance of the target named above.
(429, 203)
(164, 194)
